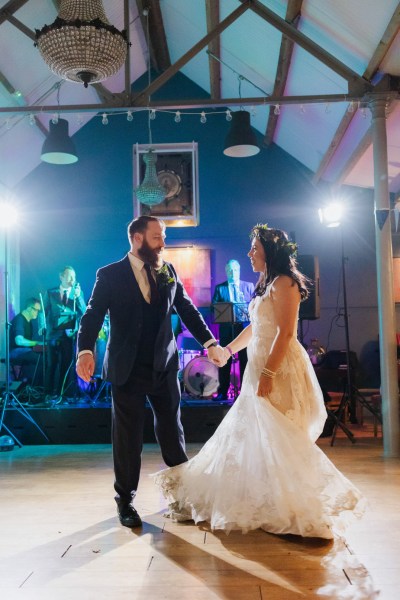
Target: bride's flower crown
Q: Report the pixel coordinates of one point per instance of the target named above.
(277, 237)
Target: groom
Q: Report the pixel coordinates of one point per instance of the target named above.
(141, 360)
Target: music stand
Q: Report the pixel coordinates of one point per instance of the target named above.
(9, 397)
(231, 313)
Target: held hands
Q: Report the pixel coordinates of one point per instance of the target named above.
(217, 355)
(85, 367)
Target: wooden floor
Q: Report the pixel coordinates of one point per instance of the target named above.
(60, 537)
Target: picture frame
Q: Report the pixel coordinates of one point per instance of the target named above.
(177, 170)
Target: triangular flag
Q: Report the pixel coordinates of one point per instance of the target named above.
(381, 216)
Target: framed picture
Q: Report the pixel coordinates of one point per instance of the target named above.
(177, 170)
(193, 266)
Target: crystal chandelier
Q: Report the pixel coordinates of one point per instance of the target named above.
(81, 45)
(150, 191)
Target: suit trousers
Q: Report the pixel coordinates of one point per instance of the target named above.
(128, 418)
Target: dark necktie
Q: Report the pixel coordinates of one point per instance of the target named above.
(65, 298)
(154, 295)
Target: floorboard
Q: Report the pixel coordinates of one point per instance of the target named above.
(60, 537)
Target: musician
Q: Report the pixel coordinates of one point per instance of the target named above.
(25, 342)
(240, 293)
(64, 306)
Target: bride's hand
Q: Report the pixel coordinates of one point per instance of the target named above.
(265, 386)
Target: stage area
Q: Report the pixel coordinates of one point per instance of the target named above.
(83, 422)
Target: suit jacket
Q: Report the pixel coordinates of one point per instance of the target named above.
(228, 331)
(221, 293)
(117, 292)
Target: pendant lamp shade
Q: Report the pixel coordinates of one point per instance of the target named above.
(58, 147)
(241, 140)
(150, 191)
(81, 45)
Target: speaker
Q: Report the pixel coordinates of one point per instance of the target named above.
(310, 308)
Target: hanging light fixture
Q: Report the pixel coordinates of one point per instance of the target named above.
(81, 45)
(150, 191)
(241, 140)
(58, 147)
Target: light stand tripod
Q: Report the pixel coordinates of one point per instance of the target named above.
(9, 397)
(351, 394)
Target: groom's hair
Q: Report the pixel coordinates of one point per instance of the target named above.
(139, 225)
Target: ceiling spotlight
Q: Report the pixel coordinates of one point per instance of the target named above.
(241, 140)
(58, 147)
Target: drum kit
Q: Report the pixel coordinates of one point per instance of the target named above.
(198, 374)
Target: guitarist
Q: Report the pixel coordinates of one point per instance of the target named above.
(64, 307)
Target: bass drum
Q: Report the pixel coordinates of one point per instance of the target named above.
(200, 377)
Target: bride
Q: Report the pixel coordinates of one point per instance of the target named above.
(262, 468)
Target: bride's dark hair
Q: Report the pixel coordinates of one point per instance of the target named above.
(280, 256)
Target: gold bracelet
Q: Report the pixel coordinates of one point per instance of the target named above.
(268, 373)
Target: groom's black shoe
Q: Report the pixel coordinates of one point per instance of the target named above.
(128, 516)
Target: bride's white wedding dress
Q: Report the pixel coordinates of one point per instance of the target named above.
(261, 468)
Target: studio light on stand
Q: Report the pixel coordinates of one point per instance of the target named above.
(331, 216)
(8, 219)
(241, 140)
(58, 148)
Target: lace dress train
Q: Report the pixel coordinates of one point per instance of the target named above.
(261, 468)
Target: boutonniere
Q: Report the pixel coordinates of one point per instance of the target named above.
(164, 276)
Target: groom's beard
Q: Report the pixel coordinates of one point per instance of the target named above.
(153, 256)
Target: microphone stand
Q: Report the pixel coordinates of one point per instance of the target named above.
(73, 339)
(44, 336)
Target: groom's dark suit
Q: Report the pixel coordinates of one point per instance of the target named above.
(141, 360)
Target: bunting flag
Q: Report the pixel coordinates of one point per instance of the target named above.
(396, 215)
(381, 216)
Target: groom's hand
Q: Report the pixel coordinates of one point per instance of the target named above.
(217, 355)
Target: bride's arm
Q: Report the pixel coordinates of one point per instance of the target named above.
(241, 341)
(286, 299)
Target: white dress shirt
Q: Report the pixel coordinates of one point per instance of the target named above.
(140, 275)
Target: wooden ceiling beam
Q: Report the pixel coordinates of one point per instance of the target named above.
(293, 12)
(17, 23)
(354, 80)
(380, 52)
(10, 8)
(384, 44)
(213, 16)
(106, 96)
(142, 99)
(159, 53)
(363, 145)
(6, 83)
(178, 104)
